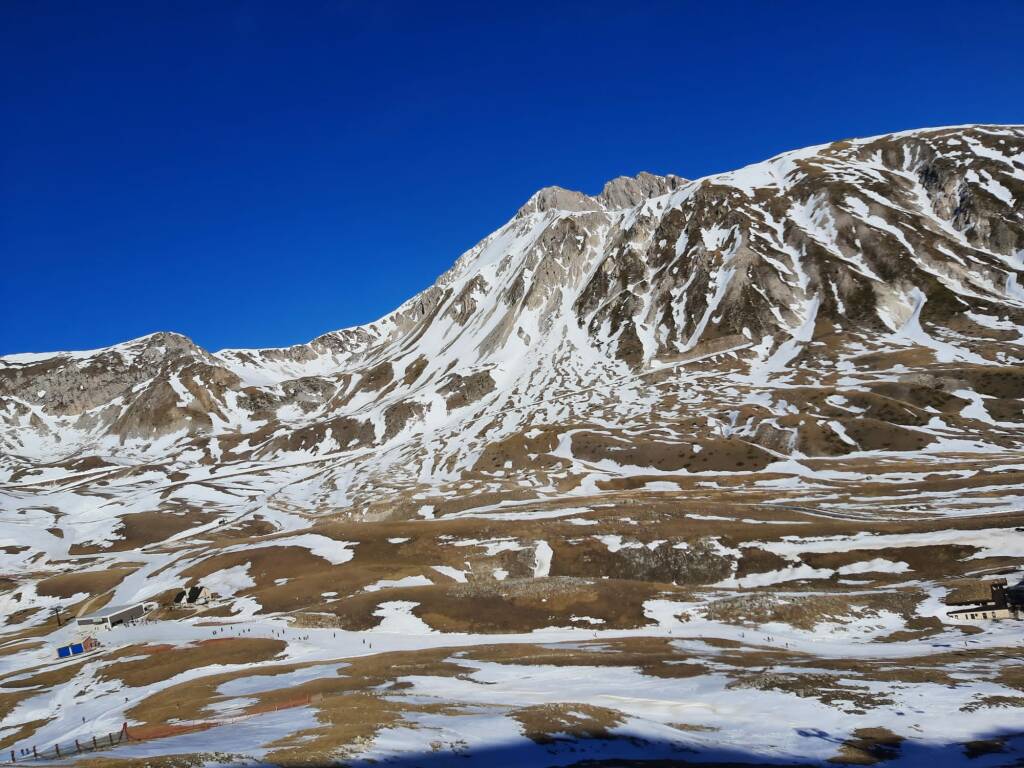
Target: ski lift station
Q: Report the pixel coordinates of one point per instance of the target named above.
(113, 616)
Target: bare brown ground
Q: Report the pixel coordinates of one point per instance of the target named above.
(142, 528)
(163, 664)
(89, 582)
(351, 707)
(869, 746)
(349, 710)
(507, 606)
(49, 678)
(22, 733)
(636, 572)
(547, 723)
(653, 656)
(806, 611)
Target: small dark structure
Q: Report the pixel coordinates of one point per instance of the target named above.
(987, 600)
(192, 597)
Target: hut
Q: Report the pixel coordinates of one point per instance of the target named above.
(74, 649)
(986, 600)
(192, 597)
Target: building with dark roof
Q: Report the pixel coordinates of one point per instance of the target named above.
(192, 597)
(986, 600)
(115, 615)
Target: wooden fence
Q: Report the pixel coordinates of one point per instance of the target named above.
(58, 750)
(100, 742)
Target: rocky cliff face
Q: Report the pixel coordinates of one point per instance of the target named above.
(889, 268)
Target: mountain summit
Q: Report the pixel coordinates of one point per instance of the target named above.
(618, 194)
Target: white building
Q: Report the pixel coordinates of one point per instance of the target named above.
(113, 615)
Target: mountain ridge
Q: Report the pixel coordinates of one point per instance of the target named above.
(618, 186)
(900, 244)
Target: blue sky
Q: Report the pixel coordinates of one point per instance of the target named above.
(255, 174)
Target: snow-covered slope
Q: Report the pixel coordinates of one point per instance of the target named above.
(761, 418)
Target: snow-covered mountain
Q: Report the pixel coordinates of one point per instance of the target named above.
(683, 454)
(898, 258)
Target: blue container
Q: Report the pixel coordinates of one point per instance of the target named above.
(76, 648)
(63, 653)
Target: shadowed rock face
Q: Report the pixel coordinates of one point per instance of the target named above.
(901, 252)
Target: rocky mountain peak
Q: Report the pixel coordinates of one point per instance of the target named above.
(557, 199)
(629, 191)
(619, 193)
